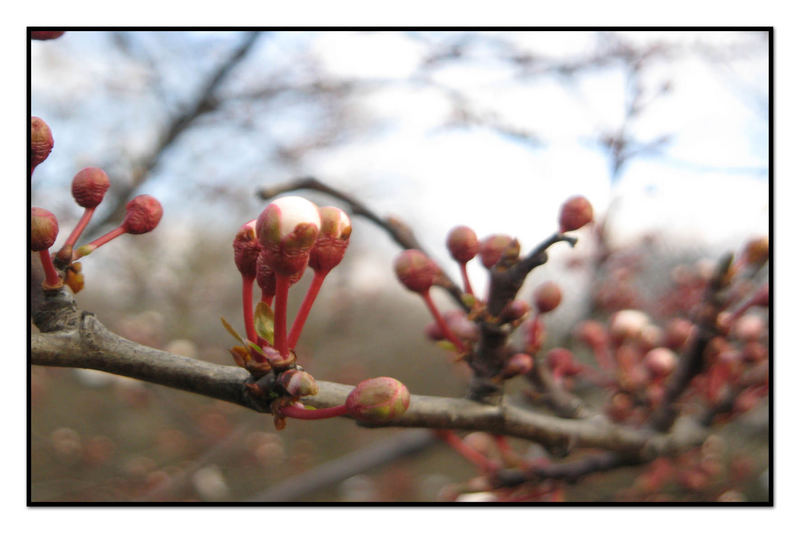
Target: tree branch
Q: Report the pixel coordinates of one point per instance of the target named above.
(75, 339)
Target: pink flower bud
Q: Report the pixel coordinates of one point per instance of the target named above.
(276, 360)
(44, 229)
(628, 324)
(547, 296)
(677, 333)
(415, 270)
(287, 230)
(754, 352)
(560, 360)
(298, 383)
(334, 236)
(46, 35)
(462, 243)
(660, 362)
(620, 407)
(518, 364)
(461, 326)
(592, 333)
(515, 310)
(89, 186)
(576, 212)
(41, 141)
(265, 277)
(143, 213)
(246, 249)
(749, 328)
(378, 400)
(434, 332)
(496, 247)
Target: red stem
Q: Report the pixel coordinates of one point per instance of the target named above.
(305, 308)
(247, 308)
(281, 298)
(266, 298)
(440, 321)
(295, 411)
(82, 223)
(465, 277)
(467, 452)
(52, 279)
(98, 242)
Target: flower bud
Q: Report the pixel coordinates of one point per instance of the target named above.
(749, 328)
(334, 236)
(143, 214)
(246, 249)
(461, 326)
(576, 212)
(287, 230)
(89, 186)
(518, 364)
(44, 229)
(628, 324)
(560, 360)
(660, 362)
(41, 141)
(496, 247)
(462, 243)
(677, 333)
(515, 310)
(434, 332)
(753, 352)
(547, 296)
(298, 383)
(592, 333)
(756, 252)
(415, 270)
(46, 35)
(276, 360)
(620, 407)
(265, 277)
(378, 400)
